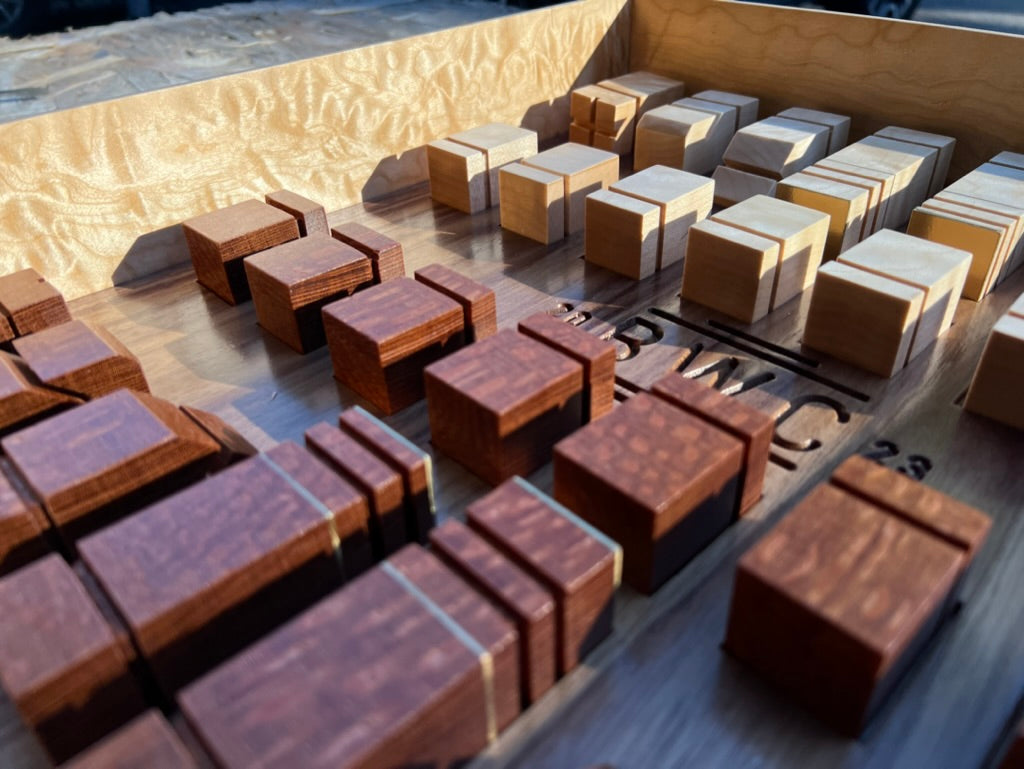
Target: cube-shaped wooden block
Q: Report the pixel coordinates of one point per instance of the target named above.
(81, 358)
(29, 303)
(746, 106)
(862, 318)
(776, 147)
(22, 522)
(309, 215)
(684, 200)
(23, 398)
(733, 186)
(579, 565)
(384, 253)
(532, 202)
(661, 482)
(875, 184)
(800, 232)
(292, 282)
(648, 89)
(602, 109)
(805, 612)
(845, 204)
(730, 270)
(677, 137)
(479, 305)
(838, 125)
(381, 338)
(528, 602)
(944, 144)
(583, 170)
(501, 144)
(220, 240)
(581, 135)
(62, 664)
(148, 740)
(622, 234)
(458, 176)
(995, 388)
(498, 406)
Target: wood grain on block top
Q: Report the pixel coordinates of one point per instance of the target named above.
(622, 234)
(648, 89)
(458, 176)
(479, 306)
(755, 428)
(986, 242)
(874, 184)
(583, 169)
(746, 106)
(1005, 158)
(992, 182)
(385, 253)
(578, 564)
(519, 595)
(22, 522)
(219, 240)
(501, 144)
(81, 358)
(995, 388)
(838, 125)
(532, 202)
(147, 741)
(733, 186)
(845, 204)
(944, 144)
(309, 215)
(22, 398)
(776, 147)
(29, 303)
(676, 137)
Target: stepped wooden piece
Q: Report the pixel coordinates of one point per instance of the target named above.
(621, 142)
(29, 304)
(944, 144)
(479, 306)
(501, 144)
(220, 240)
(147, 741)
(995, 388)
(677, 137)
(381, 338)
(583, 103)
(61, 663)
(730, 270)
(583, 170)
(845, 204)
(202, 573)
(379, 483)
(412, 463)
(722, 131)
(875, 184)
(292, 282)
(661, 482)
(22, 522)
(407, 666)
(514, 591)
(862, 318)
(838, 125)
(384, 253)
(458, 176)
(601, 109)
(733, 186)
(804, 612)
(596, 355)
(754, 428)
(100, 460)
(22, 397)
(498, 406)
(648, 89)
(82, 359)
(622, 234)
(684, 200)
(746, 106)
(233, 445)
(800, 232)
(532, 202)
(776, 147)
(579, 566)
(309, 215)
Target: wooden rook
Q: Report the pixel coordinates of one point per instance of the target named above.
(29, 304)
(498, 406)
(62, 664)
(838, 125)
(202, 573)
(309, 215)
(677, 137)
(804, 607)
(732, 186)
(944, 144)
(656, 479)
(649, 90)
(995, 388)
(754, 428)
(479, 306)
(22, 522)
(622, 234)
(577, 564)
(845, 204)
(82, 359)
(407, 666)
(147, 741)
(105, 458)
(583, 170)
(746, 106)
(875, 184)
(597, 356)
(533, 203)
(220, 240)
(776, 147)
(500, 144)
(458, 176)
(385, 254)
(683, 198)
(514, 591)
(381, 339)
(23, 399)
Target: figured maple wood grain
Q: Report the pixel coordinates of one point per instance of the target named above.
(147, 741)
(29, 303)
(310, 215)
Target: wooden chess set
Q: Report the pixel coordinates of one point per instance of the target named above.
(692, 440)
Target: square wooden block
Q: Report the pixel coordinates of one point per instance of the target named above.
(684, 200)
(23, 398)
(479, 306)
(62, 664)
(533, 203)
(776, 147)
(677, 137)
(381, 339)
(800, 232)
(730, 270)
(578, 565)
(875, 184)
(727, 119)
(661, 482)
(81, 358)
(292, 282)
(309, 215)
(601, 109)
(648, 89)
(22, 522)
(838, 125)
(995, 388)
(147, 741)
(583, 170)
(583, 102)
(622, 234)
(458, 176)
(862, 318)
(746, 106)
(29, 303)
(384, 253)
(845, 204)
(498, 406)
(528, 602)
(220, 240)
(732, 186)
(944, 144)
(501, 144)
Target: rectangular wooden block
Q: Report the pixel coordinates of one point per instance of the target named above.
(310, 215)
(220, 240)
(845, 204)
(1009, 159)
(533, 202)
(22, 522)
(23, 398)
(584, 170)
(292, 282)
(733, 186)
(649, 90)
(995, 388)
(613, 112)
(384, 253)
(746, 106)
(992, 182)
(146, 741)
(620, 142)
(725, 125)
(479, 306)
(838, 125)
(944, 144)
(501, 144)
(579, 566)
(577, 135)
(876, 185)
(684, 495)
(458, 176)
(1010, 218)
(677, 137)
(622, 234)
(583, 104)
(29, 303)
(776, 147)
